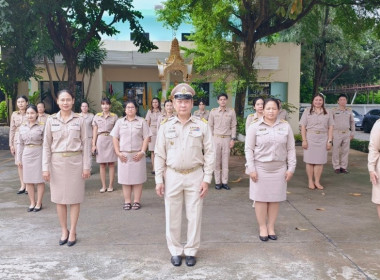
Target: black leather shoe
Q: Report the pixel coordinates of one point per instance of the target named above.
(226, 187)
(272, 237)
(30, 209)
(176, 260)
(218, 186)
(37, 209)
(337, 171)
(71, 243)
(21, 191)
(344, 171)
(63, 242)
(263, 238)
(190, 260)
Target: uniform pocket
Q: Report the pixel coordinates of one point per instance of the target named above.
(195, 138)
(74, 131)
(171, 140)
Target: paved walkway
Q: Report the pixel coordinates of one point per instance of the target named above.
(331, 234)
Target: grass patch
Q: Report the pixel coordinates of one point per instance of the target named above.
(359, 145)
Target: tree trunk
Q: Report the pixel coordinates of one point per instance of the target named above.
(320, 55)
(51, 84)
(88, 87)
(55, 69)
(72, 74)
(64, 73)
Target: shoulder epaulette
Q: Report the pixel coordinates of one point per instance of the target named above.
(255, 120)
(99, 114)
(214, 109)
(204, 120)
(41, 123)
(251, 115)
(112, 114)
(348, 108)
(53, 115)
(77, 115)
(164, 121)
(283, 121)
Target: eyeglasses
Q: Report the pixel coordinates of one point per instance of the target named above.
(130, 108)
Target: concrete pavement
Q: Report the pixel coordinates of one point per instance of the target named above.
(338, 241)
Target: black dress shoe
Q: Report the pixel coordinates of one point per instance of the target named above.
(63, 242)
(71, 243)
(190, 260)
(337, 171)
(176, 260)
(21, 191)
(30, 209)
(218, 186)
(263, 238)
(272, 237)
(226, 187)
(344, 171)
(37, 209)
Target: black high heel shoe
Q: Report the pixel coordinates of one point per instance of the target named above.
(63, 242)
(37, 209)
(72, 243)
(263, 238)
(30, 209)
(272, 237)
(21, 191)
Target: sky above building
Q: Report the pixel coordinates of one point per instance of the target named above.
(156, 30)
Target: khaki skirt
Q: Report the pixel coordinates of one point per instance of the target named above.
(32, 165)
(66, 182)
(152, 143)
(271, 184)
(131, 172)
(316, 152)
(106, 152)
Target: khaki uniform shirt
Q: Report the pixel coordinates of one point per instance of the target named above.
(152, 117)
(266, 143)
(282, 115)
(317, 122)
(374, 149)
(131, 134)
(88, 118)
(17, 119)
(29, 135)
(202, 115)
(104, 124)
(223, 122)
(250, 119)
(343, 120)
(43, 118)
(69, 136)
(163, 119)
(184, 146)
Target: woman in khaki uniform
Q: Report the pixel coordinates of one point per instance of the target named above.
(258, 106)
(271, 162)
(168, 108)
(102, 144)
(29, 156)
(202, 113)
(374, 164)
(17, 119)
(316, 130)
(42, 116)
(66, 163)
(130, 139)
(88, 117)
(151, 117)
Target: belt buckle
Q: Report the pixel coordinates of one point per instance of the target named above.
(343, 132)
(317, 132)
(64, 154)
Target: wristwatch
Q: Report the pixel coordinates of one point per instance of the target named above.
(234, 138)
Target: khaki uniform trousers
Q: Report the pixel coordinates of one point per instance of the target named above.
(222, 151)
(179, 188)
(341, 144)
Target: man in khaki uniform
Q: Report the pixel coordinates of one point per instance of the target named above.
(222, 121)
(344, 130)
(184, 159)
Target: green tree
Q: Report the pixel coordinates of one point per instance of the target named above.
(91, 59)
(226, 33)
(72, 24)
